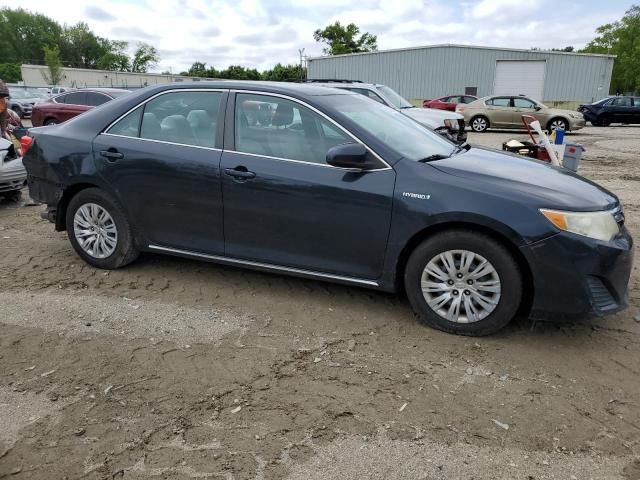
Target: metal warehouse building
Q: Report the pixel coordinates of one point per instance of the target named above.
(437, 70)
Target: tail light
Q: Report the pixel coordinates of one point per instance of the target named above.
(25, 142)
(459, 109)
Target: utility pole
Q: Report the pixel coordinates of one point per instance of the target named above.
(301, 52)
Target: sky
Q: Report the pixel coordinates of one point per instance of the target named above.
(261, 33)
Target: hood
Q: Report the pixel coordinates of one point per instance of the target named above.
(430, 116)
(548, 186)
(562, 111)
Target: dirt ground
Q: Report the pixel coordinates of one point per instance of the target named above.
(177, 369)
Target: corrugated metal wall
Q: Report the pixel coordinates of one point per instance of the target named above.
(440, 70)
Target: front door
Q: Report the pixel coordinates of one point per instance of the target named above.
(524, 106)
(162, 164)
(284, 205)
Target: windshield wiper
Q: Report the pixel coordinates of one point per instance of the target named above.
(435, 156)
(406, 106)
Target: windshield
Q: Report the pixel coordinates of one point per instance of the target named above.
(405, 136)
(395, 99)
(19, 93)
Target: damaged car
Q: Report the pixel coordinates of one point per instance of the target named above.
(325, 184)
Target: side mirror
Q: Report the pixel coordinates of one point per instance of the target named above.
(537, 108)
(347, 155)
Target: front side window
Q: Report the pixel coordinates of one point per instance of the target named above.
(500, 102)
(281, 128)
(401, 134)
(621, 102)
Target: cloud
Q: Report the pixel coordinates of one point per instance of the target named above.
(261, 33)
(94, 12)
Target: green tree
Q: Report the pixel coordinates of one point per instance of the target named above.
(52, 60)
(81, 48)
(345, 39)
(621, 38)
(285, 73)
(115, 57)
(144, 58)
(10, 72)
(24, 35)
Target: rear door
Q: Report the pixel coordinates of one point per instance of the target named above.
(500, 111)
(621, 110)
(162, 161)
(284, 205)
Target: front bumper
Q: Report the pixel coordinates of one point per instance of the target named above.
(578, 276)
(576, 123)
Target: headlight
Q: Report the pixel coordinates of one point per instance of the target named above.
(576, 115)
(598, 225)
(452, 124)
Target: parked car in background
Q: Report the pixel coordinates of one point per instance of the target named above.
(449, 102)
(22, 101)
(62, 107)
(448, 124)
(13, 175)
(58, 90)
(505, 111)
(323, 183)
(612, 110)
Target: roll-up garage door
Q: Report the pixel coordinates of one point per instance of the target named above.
(520, 77)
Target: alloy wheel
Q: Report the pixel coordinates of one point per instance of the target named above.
(558, 124)
(479, 124)
(95, 231)
(461, 286)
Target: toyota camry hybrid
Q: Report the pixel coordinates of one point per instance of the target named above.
(327, 184)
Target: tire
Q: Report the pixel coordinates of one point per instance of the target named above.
(557, 123)
(116, 250)
(479, 124)
(604, 121)
(503, 278)
(50, 121)
(19, 112)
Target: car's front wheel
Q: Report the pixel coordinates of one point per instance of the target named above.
(99, 230)
(479, 124)
(463, 282)
(557, 123)
(604, 121)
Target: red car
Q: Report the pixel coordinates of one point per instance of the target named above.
(448, 103)
(69, 104)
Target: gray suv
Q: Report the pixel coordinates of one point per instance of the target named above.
(448, 124)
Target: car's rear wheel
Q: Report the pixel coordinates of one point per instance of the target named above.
(99, 230)
(463, 282)
(479, 124)
(51, 121)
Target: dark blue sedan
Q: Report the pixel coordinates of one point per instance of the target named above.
(326, 184)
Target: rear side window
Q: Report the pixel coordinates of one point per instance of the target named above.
(187, 118)
(128, 126)
(94, 99)
(467, 99)
(280, 128)
(499, 102)
(75, 98)
(368, 94)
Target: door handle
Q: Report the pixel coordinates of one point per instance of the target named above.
(111, 154)
(240, 173)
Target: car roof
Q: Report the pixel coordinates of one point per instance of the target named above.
(346, 84)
